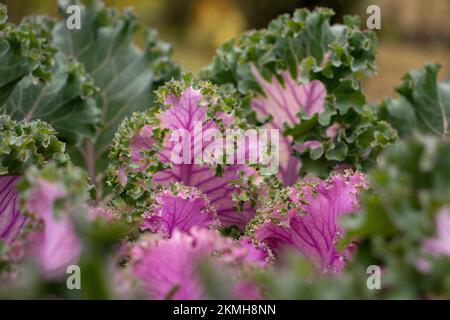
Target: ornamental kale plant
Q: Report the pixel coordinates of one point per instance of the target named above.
(144, 148)
(266, 176)
(300, 75)
(305, 218)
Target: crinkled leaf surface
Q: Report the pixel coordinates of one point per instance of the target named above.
(219, 188)
(41, 85)
(143, 153)
(23, 52)
(23, 144)
(310, 223)
(179, 208)
(308, 48)
(282, 102)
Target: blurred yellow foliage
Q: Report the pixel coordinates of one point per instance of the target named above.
(220, 13)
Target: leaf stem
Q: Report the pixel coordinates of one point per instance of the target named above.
(89, 159)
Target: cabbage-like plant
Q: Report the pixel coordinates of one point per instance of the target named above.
(114, 162)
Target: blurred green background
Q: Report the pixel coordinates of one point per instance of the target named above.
(412, 33)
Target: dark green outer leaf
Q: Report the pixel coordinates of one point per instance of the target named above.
(125, 75)
(22, 52)
(424, 104)
(60, 102)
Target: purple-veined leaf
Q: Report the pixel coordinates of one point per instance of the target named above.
(307, 220)
(11, 220)
(190, 120)
(283, 101)
(179, 208)
(168, 268)
(183, 114)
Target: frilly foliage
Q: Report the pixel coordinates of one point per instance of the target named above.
(423, 105)
(23, 144)
(139, 187)
(85, 96)
(310, 48)
(31, 53)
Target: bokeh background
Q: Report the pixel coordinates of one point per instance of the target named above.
(412, 33)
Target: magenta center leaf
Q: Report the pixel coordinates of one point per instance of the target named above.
(311, 223)
(179, 208)
(191, 133)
